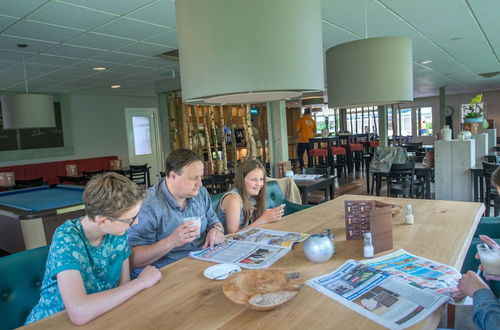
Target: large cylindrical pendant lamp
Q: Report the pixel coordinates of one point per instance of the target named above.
(373, 71)
(242, 51)
(27, 111)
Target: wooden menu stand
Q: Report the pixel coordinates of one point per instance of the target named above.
(369, 216)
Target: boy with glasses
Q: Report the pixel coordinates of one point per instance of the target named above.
(87, 271)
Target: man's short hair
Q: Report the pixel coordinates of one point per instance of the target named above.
(180, 158)
(111, 194)
(307, 111)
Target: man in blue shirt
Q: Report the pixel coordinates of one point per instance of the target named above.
(163, 235)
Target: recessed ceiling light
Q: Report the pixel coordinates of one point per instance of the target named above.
(99, 68)
(116, 86)
(425, 62)
(456, 38)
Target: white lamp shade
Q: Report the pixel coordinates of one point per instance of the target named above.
(242, 51)
(374, 71)
(27, 111)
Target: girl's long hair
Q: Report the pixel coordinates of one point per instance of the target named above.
(251, 213)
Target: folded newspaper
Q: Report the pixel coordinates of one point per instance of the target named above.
(397, 290)
(252, 248)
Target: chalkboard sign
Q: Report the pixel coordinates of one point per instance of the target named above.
(34, 138)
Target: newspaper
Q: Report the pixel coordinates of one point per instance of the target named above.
(306, 176)
(252, 248)
(396, 291)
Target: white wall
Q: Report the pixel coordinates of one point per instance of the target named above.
(97, 126)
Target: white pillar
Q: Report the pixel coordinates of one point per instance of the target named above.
(278, 137)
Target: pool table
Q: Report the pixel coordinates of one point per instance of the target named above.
(29, 217)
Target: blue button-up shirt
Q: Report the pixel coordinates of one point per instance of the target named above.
(486, 310)
(160, 215)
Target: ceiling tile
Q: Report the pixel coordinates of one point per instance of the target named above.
(146, 49)
(6, 21)
(35, 46)
(27, 29)
(132, 29)
(5, 64)
(117, 57)
(120, 7)
(161, 12)
(76, 51)
(156, 62)
(20, 8)
(52, 60)
(168, 38)
(101, 41)
(60, 13)
(12, 55)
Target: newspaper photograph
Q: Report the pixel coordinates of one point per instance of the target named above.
(378, 295)
(420, 272)
(253, 248)
(268, 237)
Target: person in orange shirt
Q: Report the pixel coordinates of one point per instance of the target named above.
(306, 128)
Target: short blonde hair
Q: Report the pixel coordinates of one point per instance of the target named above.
(111, 194)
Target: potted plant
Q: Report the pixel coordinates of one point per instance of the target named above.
(474, 112)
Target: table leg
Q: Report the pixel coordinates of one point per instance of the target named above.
(378, 183)
(481, 188)
(475, 196)
(427, 185)
(367, 165)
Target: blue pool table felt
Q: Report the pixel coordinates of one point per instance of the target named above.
(43, 197)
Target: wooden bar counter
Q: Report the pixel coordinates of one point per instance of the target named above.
(185, 299)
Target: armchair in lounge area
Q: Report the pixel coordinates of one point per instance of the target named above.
(274, 197)
(20, 284)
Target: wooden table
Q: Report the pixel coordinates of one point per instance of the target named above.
(184, 299)
(326, 183)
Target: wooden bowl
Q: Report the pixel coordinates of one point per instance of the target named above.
(262, 289)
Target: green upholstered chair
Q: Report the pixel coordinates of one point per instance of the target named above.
(274, 197)
(489, 226)
(20, 283)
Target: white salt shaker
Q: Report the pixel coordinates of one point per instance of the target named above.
(409, 215)
(368, 249)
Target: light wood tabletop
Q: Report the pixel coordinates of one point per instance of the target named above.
(185, 299)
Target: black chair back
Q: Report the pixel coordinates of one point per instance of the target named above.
(217, 183)
(490, 193)
(21, 184)
(89, 174)
(400, 180)
(413, 147)
(139, 173)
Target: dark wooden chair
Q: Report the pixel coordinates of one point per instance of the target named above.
(139, 174)
(217, 183)
(401, 181)
(490, 191)
(89, 174)
(21, 184)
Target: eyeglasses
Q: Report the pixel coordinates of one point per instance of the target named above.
(129, 222)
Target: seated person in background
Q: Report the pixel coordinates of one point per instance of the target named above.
(162, 236)
(87, 268)
(486, 306)
(244, 204)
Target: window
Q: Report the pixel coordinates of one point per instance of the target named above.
(424, 121)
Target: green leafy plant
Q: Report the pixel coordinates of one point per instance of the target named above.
(474, 109)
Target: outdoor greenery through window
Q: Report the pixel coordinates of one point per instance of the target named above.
(424, 121)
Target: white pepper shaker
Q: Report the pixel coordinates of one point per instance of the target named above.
(409, 215)
(368, 251)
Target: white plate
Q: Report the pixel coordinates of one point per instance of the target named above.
(221, 272)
